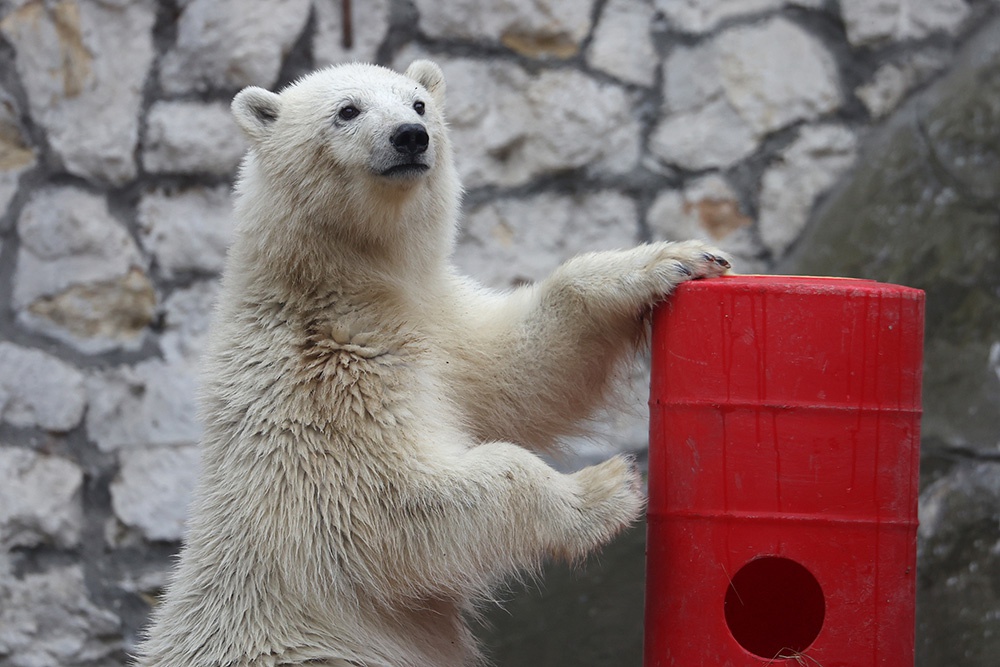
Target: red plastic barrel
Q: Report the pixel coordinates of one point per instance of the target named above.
(783, 473)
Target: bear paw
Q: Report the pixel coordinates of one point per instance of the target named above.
(688, 260)
(610, 498)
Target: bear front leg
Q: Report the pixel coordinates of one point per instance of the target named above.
(597, 290)
(541, 360)
(480, 517)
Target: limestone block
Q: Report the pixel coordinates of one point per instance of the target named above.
(902, 215)
(369, 25)
(152, 403)
(699, 16)
(806, 170)
(874, 21)
(775, 73)
(707, 209)
(622, 45)
(691, 78)
(153, 490)
(47, 620)
(17, 155)
(185, 137)
(713, 136)
(721, 97)
(958, 558)
(543, 28)
(79, 274)
(768, 75)
(81, 89)
(891, 82)
(186, 317)
(963, 136)
(230, 44)
(39, 499)
(38, 390)
(510, 127)
(511, 241)
(187, 230)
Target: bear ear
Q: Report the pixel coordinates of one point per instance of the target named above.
(430, 76)
(256, 110)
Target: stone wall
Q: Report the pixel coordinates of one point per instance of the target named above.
(579, 125)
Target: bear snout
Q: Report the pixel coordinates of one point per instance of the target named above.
(410, 139)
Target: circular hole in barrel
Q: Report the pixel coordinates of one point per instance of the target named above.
(774, 607)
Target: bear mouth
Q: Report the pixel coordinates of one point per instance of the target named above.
(405, 170)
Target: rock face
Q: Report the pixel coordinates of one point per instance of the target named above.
(229, 44)
(80, 276)
(38, 390)
(547, 28)
(39, 500)
(153, 490)
(959, 567)
(579, 125)
(48, 620)
(921, 209)
(190, 137)
(68, 55)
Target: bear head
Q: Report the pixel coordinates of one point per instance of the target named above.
(356, 150)
(356, 118)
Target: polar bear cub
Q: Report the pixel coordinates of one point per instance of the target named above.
(372, 417)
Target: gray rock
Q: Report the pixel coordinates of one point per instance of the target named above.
(805, 171)
(722, 96)
(962, 134)
(509, 127)
(47, 620)
(69, 57)
(874, 21)
(39, 500)
(229, 44)
(707, 209)
(891, 82)
(187, 314)
(153, 489)
(184, 137)
(623, 45)
(80, 277)
(714, 136)
(775, 73)
(369, 25)
(691, 78)
(911, 214)
(38, 390)
(153, 403)
(17, 155)
(699, 16)
(544, 28)
(699, 127)
(511, 241)
(958, 611)
(187, 230)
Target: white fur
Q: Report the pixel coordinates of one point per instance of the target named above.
(369, 414)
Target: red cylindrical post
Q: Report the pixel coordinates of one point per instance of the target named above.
(783, 473)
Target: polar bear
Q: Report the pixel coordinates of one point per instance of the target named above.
(372, 419)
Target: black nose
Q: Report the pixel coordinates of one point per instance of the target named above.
(410, 139)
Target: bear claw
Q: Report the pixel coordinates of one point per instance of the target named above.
(721, 261)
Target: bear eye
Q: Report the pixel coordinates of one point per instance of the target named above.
(418, 106)
(349, 112)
